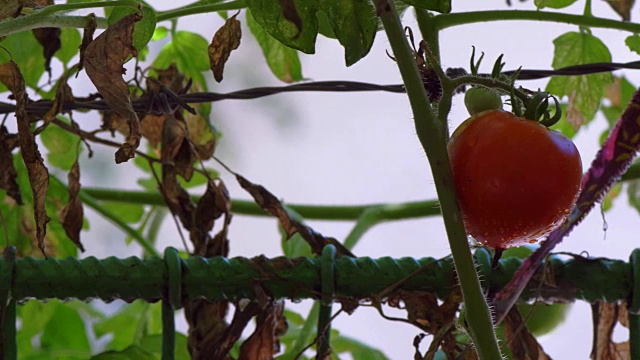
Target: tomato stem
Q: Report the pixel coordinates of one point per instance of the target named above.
(429, 130)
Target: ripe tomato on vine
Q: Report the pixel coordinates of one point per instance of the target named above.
(516, 179)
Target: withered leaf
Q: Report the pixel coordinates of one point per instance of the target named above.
(171, 78)
(212, 205)
(9, 8)
(49, 38)
(523, 345)
(8, 173)
(72, 214)
(269, 203)
(201, 135)
(605, 319)
(622, 7)
(63, 94)
(175, 146)
(104, 58)
(87, 38)
(290, 13)
(7, 76)
(226, 39)
(264, 342)
(38, 173)
(151, 128)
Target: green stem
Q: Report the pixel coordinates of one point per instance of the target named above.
(35, 21)
(52, 9)
(448, 20)
(430, 132)
(204, 9)
(408, 210)
(369, 218)
(429, 32)
(92, 203)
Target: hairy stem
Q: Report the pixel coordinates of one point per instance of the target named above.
(448, 20)
(36, 21)
(431, 136)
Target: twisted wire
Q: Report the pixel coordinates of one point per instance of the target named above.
(40, 107)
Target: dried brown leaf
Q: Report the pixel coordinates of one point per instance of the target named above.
(63, 94)
(206, 325)
(72, 214)
(269, 203)
(9, 8)
(605, 319)
(151, 128)
(226, 39)
(8, 173)
(171, 78)
(175, 146)
(38, 173)
(104, 58)
(523, 345)
(7, 76)
(49, 38)
(622, 7)
(264, 342)
(87, 38)
(202, 136)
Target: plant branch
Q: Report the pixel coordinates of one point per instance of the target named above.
(431, 134)
(203, 9)
(449, 20)
(35, 21)
(52, 9)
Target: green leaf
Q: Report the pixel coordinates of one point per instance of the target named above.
(633, 42)
(585, 91)
(269, 14)
(130, 213)
(441, 6)
(633, 194)
(541, 318)
(126, 326)
(36, 314)
(614, 192)
(296, 246)
(143, 30)
(283, 61)
(354, 23)
(189, 51)
(554, 4)
(153, 344)
(343, 344)
(65, 331)
(70, 40)
(62, 146)
(159, 33)
(133, 352)
(27, 53)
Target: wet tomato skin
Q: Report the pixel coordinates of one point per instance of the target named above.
(516, 180)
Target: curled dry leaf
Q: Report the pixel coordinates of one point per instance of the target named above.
(264, 342)
(622, 7)
(63, 94)
(175, 146)
(8, 173)
(523, 345)
(49, 38)
(38, 173)
(104, 58)
(269, 203)
(605, 318)
(202, 136)
(72, 214)
(226, 39)
(87, 38)
(7, 76)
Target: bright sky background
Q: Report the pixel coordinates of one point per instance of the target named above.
(359, 148)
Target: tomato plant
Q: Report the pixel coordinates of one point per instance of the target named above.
(516, 179)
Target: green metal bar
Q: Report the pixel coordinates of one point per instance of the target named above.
(360, 278)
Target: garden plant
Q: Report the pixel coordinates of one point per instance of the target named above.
(508, 176)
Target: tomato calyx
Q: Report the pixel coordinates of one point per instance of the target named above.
(538, 109)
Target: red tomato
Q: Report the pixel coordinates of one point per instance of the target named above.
(516, 179)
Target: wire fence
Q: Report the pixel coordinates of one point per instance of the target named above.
(143, 104)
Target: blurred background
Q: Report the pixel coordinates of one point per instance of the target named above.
(361, 148)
